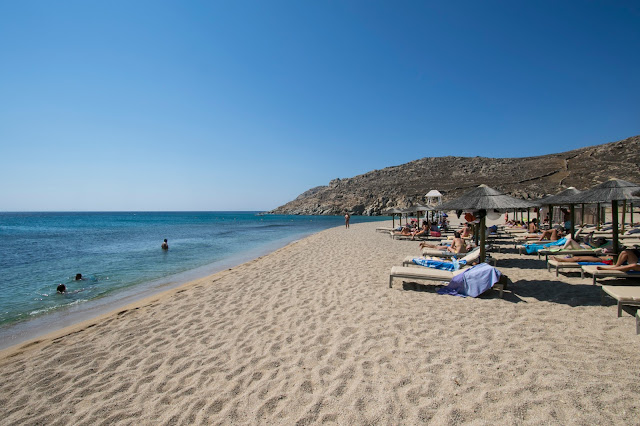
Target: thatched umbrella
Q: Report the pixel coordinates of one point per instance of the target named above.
(484, 198)
(407, 211)
(393, 212)
(420, 208)
(611, 191)
(563, 198)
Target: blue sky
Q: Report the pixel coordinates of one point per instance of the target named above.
(243, 105)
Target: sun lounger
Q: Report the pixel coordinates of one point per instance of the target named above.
(468, 259)
(516, 230)
(603, 273)
(385, 229)
(564, 265)
(409, 237)
(428, 274)
(421, 274)
(574, 252)
(625, 296)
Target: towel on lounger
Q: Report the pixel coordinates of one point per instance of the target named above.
(473, 281)
(534, 248)
(453, 265)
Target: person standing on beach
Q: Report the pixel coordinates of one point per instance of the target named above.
(165, 245)
(346, 219)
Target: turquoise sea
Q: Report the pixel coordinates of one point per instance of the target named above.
(119, 254)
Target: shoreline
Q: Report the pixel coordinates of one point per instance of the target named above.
(156, 297)
(40, 327)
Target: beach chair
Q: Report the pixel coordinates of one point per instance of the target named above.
(468, 259)
(428, 274)
(564, 265)
(603, 273)
(383, 229)
(442, 253)
(573, 252)
(624, 296)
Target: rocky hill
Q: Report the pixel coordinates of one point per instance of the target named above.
(530, 177)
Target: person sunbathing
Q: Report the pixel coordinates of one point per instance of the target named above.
(533, 226)
(466, 231)
(422, 232)
(630, 257)
(406, 231)
(457, 245)
(607, 260)
(551, 235)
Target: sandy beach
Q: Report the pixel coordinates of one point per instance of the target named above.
(312, 334)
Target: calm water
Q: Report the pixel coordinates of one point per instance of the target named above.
(116, 252)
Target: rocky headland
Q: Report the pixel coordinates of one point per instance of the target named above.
(528, 177)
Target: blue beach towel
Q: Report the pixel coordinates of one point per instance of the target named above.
(473, 281)
(535, 248)
(454, 265)
(591, 263)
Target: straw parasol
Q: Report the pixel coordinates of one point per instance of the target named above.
(407, 211)
(393, 212)
(611, 191)
(562, 198)
(484, 198)
(420, 208)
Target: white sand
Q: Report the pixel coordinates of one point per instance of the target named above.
(311, 333)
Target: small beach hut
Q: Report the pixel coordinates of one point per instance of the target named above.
(481, 199)
(611, 191)
(434, 197)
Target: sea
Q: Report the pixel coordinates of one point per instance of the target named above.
(120, 259)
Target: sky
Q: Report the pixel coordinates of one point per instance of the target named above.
(243, 105)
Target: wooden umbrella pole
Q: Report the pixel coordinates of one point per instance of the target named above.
(582, 216)
(614, 212)
(598, 216)
(483, 230)
(572, 219)
(624, 215)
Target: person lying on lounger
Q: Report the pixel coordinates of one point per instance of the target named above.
(630, 257)
(406, 230)
(626, 258)
(422, 232)
(533, 226)
(457, 245)
(551, 234)
(608, 260)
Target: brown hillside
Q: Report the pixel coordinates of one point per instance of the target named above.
(530, 177)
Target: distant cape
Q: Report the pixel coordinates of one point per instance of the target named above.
(528, 177)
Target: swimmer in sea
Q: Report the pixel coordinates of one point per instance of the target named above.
(61, 288)
(165, 245)
(78, 277)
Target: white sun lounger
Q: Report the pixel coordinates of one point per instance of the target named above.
(564, 265)
(470, 257)
(429, 274)
(602, 273)
(625, 296)
(574, 252)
